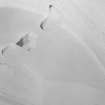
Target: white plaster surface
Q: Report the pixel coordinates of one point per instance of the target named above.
(66, 66)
